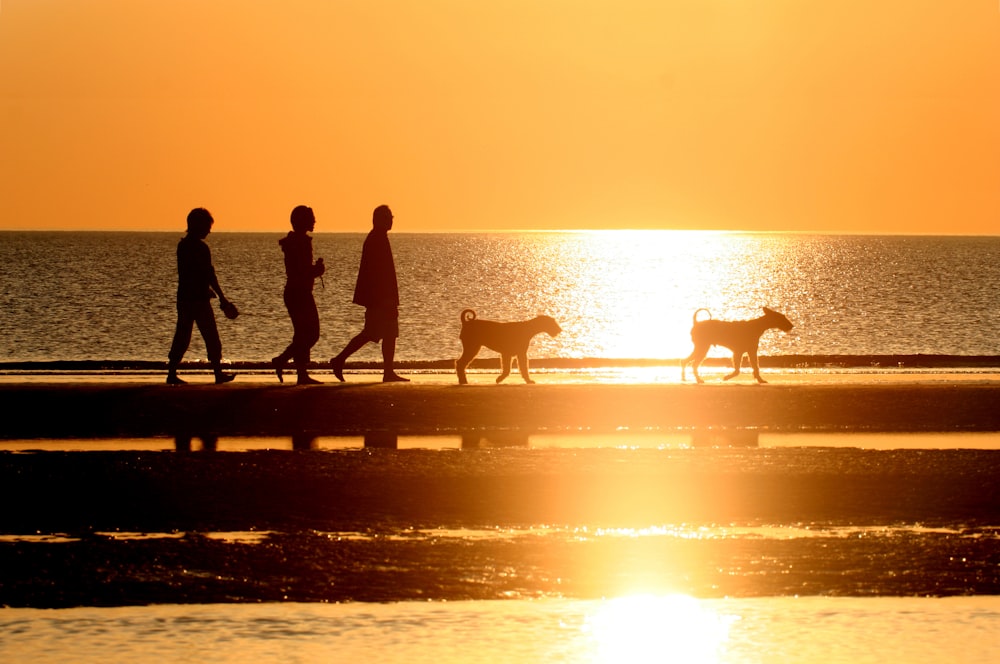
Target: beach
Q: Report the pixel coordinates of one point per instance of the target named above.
(495, 517)
(592, 516)
(256, 406)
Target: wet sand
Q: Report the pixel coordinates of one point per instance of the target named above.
(108, 409)
(400, 525)
(111, 528)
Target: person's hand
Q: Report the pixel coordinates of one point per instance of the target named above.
(228, 308)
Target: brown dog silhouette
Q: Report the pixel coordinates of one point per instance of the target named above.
(509, 339)
(741, 336)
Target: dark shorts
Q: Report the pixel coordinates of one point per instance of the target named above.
(381, 323)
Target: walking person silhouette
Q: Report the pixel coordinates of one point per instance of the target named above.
(197, 285)
(378, 291)
(301, 273)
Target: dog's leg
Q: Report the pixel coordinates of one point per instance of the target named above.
(756, 365)
(468, 354)
(737, 361)
(695, 359)
(522, 366)
(505, 361)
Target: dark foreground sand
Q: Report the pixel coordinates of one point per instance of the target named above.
(384, 525)
(60, 410)
(66, 514)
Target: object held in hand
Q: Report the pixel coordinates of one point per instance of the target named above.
(229, 309)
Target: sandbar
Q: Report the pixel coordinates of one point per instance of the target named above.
(253, 406)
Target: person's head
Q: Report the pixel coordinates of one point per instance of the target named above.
(303, 219)
(199, 222)
(382, 218)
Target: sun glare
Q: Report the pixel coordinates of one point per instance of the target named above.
(649, 628)
(640, 307)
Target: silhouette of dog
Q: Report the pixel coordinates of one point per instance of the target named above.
(509, 339)
(741, 337)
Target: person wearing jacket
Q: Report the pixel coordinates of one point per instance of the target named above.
(300, 273)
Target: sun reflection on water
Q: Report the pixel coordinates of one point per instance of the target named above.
(650, 628)
(641, 307)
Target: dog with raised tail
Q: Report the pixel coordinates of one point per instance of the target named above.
(509, 339)
(740, 336)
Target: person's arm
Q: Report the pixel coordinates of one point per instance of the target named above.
(213, 280)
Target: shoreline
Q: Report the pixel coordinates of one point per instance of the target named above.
(434, 405)
(885, 362)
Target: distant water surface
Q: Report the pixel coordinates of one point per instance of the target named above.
(617, 294)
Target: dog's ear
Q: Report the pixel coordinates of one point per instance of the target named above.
(769, 311)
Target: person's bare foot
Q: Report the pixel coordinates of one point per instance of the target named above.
(393, 377)
(307, 380)
(173, 379)
(279, 368)
(338, 368)
(221, 378)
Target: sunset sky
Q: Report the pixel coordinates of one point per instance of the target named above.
(785, 115)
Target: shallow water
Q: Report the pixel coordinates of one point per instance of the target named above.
(647, 439)
(137, 527)
(634, 628)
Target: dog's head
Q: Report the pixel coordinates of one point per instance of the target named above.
(549, 325)
(777, 320)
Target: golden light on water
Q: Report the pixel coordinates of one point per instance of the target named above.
(650, 628)
(642, 306)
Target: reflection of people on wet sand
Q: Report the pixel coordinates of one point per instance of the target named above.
(209, 442)
(301, 273)
(196, 286)
(378, 291)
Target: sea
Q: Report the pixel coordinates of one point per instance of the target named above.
(851, 547)
(618, 295)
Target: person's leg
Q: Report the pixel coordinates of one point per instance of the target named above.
(388, 360)
(180, 343)
(389, 331)
(353, 346)
(306, 336)
(280, 361)
(369, 333)
(205, 318)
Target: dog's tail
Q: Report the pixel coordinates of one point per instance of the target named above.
(467, 315)
(694, 319)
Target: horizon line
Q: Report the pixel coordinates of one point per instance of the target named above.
(472, 231)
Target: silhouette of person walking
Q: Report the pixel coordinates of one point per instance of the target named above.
(301, 273)
(197, 285)
(378, 291)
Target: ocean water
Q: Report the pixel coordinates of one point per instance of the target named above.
(617, 294)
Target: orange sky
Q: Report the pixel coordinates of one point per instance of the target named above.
(850, 116)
